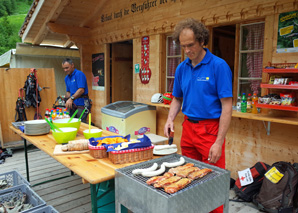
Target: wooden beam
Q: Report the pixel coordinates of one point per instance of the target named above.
(69, 30)
(32, 20)
(57, 8)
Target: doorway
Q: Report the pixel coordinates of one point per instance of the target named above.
(224, 44)
(121, 79)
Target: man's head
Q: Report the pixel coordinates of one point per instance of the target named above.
(201, 33)
(68, 66)
(191, 35)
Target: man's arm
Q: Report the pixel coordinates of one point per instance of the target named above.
(174, 110)
(77, 94)
(224, 123)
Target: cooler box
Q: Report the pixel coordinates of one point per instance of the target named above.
(128, 117)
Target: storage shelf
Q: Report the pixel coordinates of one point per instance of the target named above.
(278, 107)
(279, 86)
(280, 70)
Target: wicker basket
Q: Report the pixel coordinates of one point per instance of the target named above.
(98, 151)
(132, 155)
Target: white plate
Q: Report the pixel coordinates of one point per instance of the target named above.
(164, 151)
(35, 122)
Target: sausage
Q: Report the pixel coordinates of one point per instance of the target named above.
(163, 147)
(154, 173)
(174, 164)
(139, 171)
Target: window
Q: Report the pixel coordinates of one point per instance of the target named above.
(250, 58)
(173, 59)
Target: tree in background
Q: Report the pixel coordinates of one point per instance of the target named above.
(12, 16)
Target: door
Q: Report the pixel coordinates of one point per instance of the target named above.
(122, 72)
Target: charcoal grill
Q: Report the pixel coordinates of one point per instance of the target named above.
(201, 195)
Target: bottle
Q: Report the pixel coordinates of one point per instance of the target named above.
(54, 115)
(243, 103)
(254, 104)
(239, 103)
(60, 115)
(47, 113)
(248, 106)
(67, 115)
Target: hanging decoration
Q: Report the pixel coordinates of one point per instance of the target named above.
(145, 72)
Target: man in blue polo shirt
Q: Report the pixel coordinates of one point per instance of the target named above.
(203, 87)
(76, 89)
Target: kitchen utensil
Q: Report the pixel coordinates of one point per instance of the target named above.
(74, 114)
(82, 114)
(53, 127)
(76, 123)
(89, 122)
(66, 134)
(171, 137)
(92, 133)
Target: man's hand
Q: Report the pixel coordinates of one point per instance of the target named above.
(68, 103)
(214, 153)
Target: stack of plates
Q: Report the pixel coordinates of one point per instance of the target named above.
(36, 127)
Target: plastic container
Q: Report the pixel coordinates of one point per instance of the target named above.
(248, 105)
(13, 178)
(243, 103)
(238, 103)
(67, 134)
(64, 123)
(17, 191)
(254, 104)
(94, 133)
(46, 209)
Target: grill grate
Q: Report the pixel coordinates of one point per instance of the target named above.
(127, 171)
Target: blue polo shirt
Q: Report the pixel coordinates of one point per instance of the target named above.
(202, 86)
(74, 81)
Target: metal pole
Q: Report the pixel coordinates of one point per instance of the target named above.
(26, 160)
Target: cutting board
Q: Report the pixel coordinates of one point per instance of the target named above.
(58, 151)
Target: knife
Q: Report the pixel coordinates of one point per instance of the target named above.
(171, 137)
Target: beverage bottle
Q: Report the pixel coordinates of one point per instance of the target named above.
(248, 106)
(254, 104)
(243, 103)
(67, 115)
(54, 115)
(239, 103)
(47, 113)
(60, 115)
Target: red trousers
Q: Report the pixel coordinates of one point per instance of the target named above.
(196, 141)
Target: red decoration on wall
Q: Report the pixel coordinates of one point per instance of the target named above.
(145, 72)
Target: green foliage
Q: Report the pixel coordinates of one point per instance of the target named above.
(11, 24)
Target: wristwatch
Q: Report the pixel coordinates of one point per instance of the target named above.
(72, 98)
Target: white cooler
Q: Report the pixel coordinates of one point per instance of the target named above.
(128, 117)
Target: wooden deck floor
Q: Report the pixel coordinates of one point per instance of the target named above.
(65, 195)
(69, 195)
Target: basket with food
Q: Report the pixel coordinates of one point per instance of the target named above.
(127, 152)
(97, 146)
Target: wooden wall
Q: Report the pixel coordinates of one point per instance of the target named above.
(247, 141)
(10, 82)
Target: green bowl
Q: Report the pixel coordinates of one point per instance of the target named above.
(67, 134)
(95, 133)
(63, 123)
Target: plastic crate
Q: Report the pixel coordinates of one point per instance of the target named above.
(17, 191)
(45, 209)
(14, 178)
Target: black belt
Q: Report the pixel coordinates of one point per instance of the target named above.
(193, 121)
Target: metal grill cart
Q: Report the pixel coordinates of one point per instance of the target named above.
(201, 195)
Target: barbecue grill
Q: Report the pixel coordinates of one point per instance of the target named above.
(201, 195)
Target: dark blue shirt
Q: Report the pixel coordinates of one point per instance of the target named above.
(74, 81)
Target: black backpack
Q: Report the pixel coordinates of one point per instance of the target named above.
(247, 192)
(278, 197)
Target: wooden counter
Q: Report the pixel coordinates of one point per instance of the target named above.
(90, 169)
(260, 117)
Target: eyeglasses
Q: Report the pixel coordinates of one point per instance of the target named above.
(188, 45)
